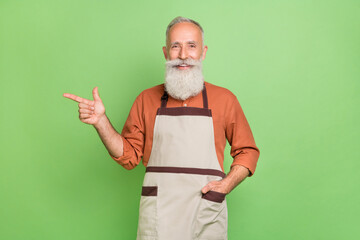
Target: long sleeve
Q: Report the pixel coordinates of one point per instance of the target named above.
(239, 135)
(133, 135)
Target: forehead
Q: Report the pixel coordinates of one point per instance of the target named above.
(184, 32)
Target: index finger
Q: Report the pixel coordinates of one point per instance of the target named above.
(77, 98)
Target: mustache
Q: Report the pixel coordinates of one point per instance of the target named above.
(188, 61)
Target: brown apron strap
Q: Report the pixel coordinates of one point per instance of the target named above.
(165, 98)
(205, 99)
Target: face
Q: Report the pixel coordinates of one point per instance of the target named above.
(184, 42)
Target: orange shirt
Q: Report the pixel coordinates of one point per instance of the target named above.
(228, 118)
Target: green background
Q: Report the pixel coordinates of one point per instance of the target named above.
(294, 66)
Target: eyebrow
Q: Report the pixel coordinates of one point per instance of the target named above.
(188, 42)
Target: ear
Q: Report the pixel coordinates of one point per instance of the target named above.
(204, 52)
(165, 53)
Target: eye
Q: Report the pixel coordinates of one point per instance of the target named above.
(193, 46)
(174, 46)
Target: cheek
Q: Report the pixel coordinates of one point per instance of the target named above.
(196, 53)
(173, 54)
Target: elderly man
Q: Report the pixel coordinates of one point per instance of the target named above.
(179, 130)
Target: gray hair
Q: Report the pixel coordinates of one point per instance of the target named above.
(180, 20)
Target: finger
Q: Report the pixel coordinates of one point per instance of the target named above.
(81, 110)
(76, 98)
(86, 106)
(96, 94)
(206, 189)
(84, 115)
(86, 120)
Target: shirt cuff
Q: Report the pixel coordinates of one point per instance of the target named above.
(126, 157)
(249, 161)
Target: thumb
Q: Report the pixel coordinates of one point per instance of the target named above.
(205, 189)
(95, 93)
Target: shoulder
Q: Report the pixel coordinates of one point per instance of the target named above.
(218, 94)
(151, 96)
(157, 90)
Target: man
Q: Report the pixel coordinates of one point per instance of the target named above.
(179, 130)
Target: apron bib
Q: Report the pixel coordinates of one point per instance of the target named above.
(183, 160)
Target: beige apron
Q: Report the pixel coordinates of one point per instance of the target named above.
(182, 161)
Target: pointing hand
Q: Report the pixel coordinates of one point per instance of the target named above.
(90, 112)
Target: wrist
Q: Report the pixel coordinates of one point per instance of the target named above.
(102, 122)
(225, 185)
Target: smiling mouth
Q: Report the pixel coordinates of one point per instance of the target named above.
(183, 66)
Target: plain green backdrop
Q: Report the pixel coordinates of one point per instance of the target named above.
(294, 66)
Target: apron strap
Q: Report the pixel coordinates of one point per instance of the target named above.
(165, 98)
(205, 99)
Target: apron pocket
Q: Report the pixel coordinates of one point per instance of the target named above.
(214, 196)
(148, 213)
(211, 219)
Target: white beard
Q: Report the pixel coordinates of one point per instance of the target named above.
(182, 84)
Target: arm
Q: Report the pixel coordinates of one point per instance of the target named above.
(93, 113)
(111, 139)
(243, 150)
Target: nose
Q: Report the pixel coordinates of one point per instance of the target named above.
(183, 54)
